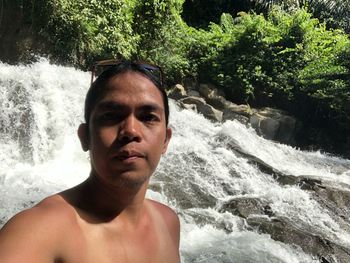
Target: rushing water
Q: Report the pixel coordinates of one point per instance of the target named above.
(41, 107)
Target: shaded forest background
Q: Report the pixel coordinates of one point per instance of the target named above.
(293, 55)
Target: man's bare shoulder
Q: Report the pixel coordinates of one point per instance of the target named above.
(170, 218)
(168, 213)
(47, 212)
(36, 231)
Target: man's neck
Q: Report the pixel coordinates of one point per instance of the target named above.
(105, 203)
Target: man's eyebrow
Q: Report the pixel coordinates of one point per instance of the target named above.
(108, 105)
(151, 107)
(112, 105)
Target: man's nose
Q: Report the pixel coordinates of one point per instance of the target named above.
(129, 129)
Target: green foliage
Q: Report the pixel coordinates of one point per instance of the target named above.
(284, 59)
(287, 60)
(325, 77)
(162, 33)
(79, 31)
(199, 13)
(257, 59)
(335, 13)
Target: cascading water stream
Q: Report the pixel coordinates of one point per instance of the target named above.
(41, 108)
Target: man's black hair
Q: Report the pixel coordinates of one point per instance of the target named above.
(98, 88)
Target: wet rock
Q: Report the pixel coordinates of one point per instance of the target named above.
(230, 115)
(210, 112)
(334, 199)
(268, 127)
(218, 102)
(198, 101)
(237, 112)
(274, 124)
(213, 97)
(281, 229)
(339, 197)
(260, 217)
(246, 206)
(271, 123)
(216, 99)
(280, 177)
(209, 91)
(306, 183)
(241, 109)
(205, 90)
(177, 92)
(191, 107)
(193, 93)
(286, 179)
(203, 108)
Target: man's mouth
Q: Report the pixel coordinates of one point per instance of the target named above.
(128, 155)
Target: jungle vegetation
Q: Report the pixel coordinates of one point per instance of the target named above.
(294, 55)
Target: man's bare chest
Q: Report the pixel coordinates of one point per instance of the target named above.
(100, 246)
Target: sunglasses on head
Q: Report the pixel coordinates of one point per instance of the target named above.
(101, 66)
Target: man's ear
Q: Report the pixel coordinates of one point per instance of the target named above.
(169, 132)
(84, 136)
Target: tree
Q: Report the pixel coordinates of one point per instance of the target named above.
(162, 35)
(199, 13)
(335, 13)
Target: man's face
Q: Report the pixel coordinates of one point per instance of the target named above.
(127, 131)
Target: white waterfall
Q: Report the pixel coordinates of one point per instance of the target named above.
(41, 107)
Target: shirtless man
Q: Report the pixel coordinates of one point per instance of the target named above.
(107, 218)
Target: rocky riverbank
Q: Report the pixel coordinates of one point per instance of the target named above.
(275, 125)
(272, 124)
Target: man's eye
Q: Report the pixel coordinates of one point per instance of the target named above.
(108, 116)
(150, 117)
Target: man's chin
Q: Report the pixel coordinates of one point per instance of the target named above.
(129, 181)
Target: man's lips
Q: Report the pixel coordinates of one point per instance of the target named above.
(128, 155)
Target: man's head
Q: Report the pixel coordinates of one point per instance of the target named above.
(126, 129)
(97, 88)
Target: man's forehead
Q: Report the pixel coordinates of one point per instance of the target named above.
(115, 105)
(129, 92)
